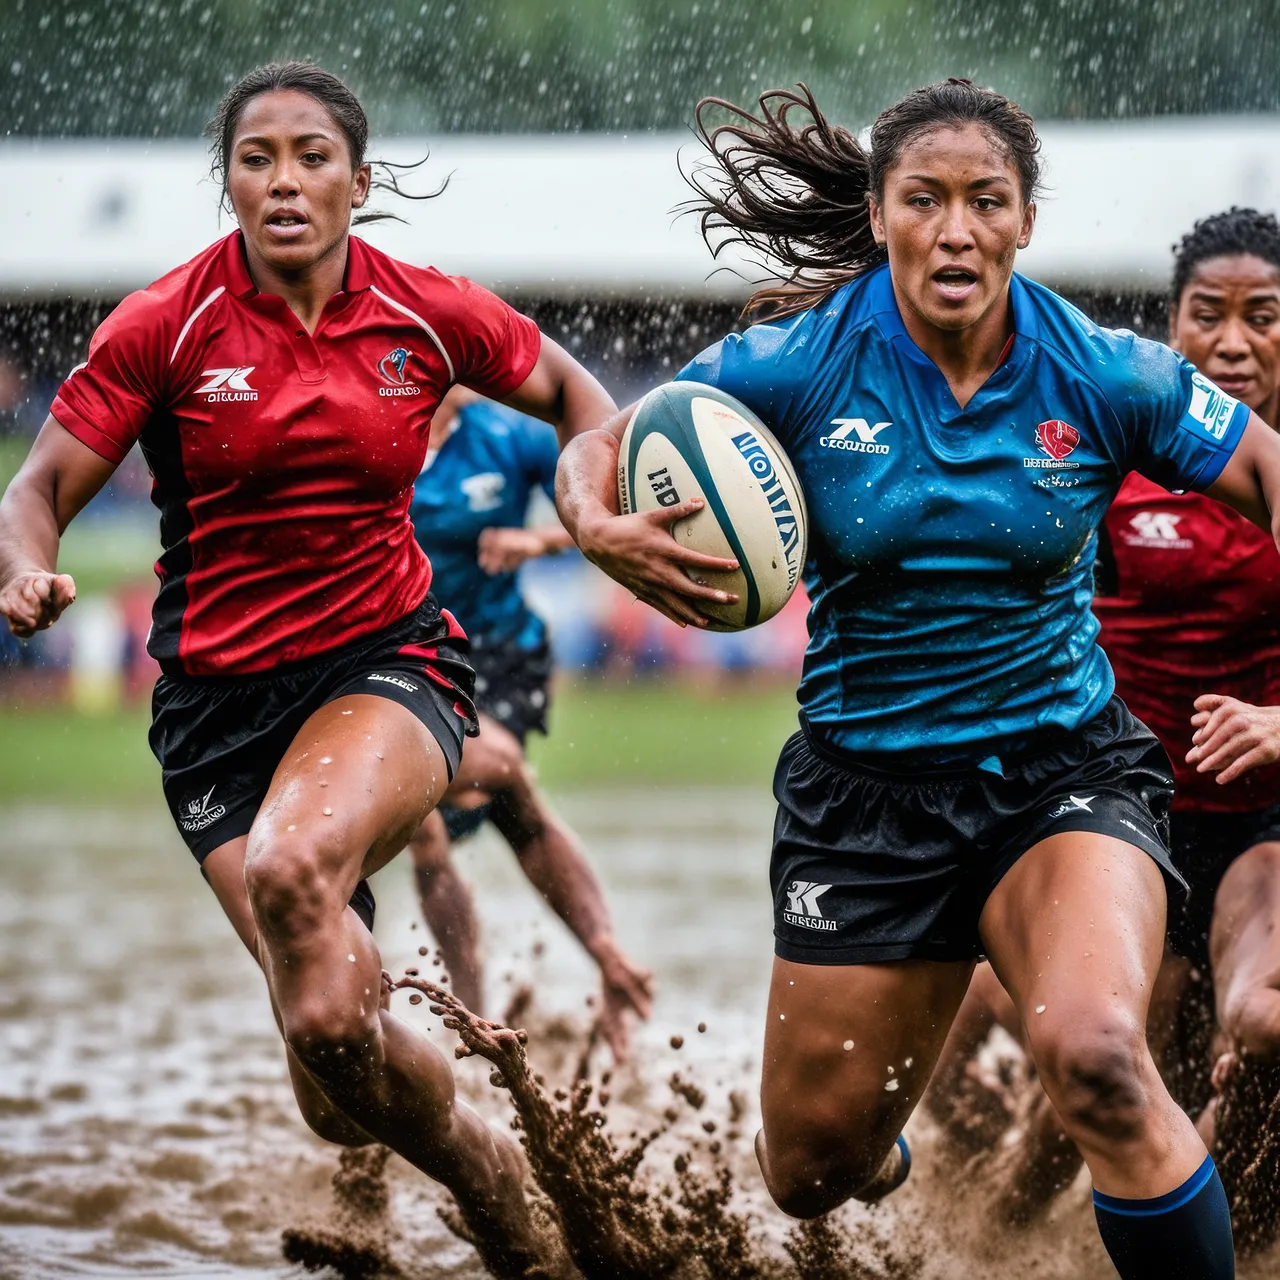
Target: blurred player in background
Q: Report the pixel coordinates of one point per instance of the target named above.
(964, 781)
(1189, 599)
(314, 697)
(469, 508)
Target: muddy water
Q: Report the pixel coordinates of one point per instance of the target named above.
(146, 1125)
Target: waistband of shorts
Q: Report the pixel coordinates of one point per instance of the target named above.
(922, 765)
(304, 666)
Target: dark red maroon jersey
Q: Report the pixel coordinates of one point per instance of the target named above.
(283, 461)
(1197, 610)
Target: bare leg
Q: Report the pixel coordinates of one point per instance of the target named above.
(551, 857)
(848, 1051)
(1075, 932)
(449, 908)
(1244, 943)
(347, 796)
(973, 1111)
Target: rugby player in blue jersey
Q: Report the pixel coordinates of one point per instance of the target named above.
(469, 506)
(964, 782)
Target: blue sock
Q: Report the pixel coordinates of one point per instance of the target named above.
(1184, 1235)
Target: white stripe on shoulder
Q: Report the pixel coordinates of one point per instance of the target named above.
(191, 319)
(84, 364)
(418, 320)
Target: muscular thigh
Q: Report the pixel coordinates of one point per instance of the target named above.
(1075, 932)
(353, 787)
(849, 1048)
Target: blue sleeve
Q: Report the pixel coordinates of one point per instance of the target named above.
(761, 367)
(541, 452)
(1180, 429)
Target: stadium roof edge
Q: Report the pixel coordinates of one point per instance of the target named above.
(590, 215)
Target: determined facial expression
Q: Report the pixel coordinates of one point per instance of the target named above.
(1227, 323)
(291, 180)
(952, 218)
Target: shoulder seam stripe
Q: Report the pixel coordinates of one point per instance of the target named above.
(422, 324)
(191, 319)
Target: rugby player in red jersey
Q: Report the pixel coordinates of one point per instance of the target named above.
(314, 698)
(1189, 599)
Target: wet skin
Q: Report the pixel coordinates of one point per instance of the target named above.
(952, 218)
(1227, 323)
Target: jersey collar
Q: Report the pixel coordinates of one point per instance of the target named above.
(358, 277)
(1025, 329)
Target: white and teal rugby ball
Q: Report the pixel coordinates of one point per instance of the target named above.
(689, 440)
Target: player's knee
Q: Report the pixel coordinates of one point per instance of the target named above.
(1251, 1020)
(288, 886)
(806, 1178)
(1094, 1070)
(335, 1044)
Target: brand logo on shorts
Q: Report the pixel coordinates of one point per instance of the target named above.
(1073, 804)
(391, 367)
(227, 384)
(864, 434)
(198, 814)
(395, 680)
(802, 906)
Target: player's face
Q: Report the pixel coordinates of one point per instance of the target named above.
(291, 181)
(1227, 323)
(952, 217)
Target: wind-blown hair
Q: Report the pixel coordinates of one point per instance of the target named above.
(334, 96)
(1236, 231)
(792, 187)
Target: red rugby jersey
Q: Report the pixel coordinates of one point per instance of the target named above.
(283, 462)
(1197, 610)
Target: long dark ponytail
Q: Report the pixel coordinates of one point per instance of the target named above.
(792, 187)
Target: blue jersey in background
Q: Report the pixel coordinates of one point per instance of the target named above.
(483, 477)
(951, 550)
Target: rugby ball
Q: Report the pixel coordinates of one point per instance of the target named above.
(689, 440)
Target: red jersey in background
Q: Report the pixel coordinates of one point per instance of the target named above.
(1196, 610)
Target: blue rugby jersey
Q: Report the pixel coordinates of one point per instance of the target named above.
(483, 477)
(951, 550)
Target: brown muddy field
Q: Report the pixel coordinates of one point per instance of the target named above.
(146, 1125)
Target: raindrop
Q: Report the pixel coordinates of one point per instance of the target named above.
(328, 813)
(351, 957)
(326, 759)
(1040, 1008)
(891, 1086)
(848, 1044)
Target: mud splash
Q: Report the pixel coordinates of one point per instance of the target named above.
(616, 1224)
(1247, 1152)
(357, 1244)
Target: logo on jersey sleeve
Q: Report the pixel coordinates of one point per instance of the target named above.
(855, 435)
(1210, 411)
(1056, 439)
(227, 384)
(1157, 530)
(391, 367)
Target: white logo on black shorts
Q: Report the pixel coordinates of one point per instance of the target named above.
(395, 680)
(1073, 804)
(198, 814)
(802, 906)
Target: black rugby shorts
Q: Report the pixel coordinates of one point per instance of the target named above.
(511, 688)
(871, 866)
(219, 739)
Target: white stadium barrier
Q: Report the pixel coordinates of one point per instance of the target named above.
(559, 215)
